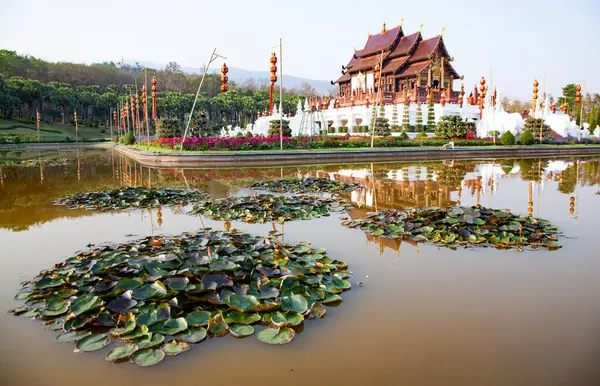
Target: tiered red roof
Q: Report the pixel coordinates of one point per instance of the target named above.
(403, 55)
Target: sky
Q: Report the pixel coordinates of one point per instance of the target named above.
(509, 42)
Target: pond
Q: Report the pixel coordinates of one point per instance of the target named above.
(416, 314)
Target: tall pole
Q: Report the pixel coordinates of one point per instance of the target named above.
(377, 100)
(581, 113)
(213, 56)
(145, 102)
(76, 128)
(280, 94)
(110, 117)
(543, 102)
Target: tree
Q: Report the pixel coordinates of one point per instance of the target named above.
(394, 123)
(430, 113)
(382, 126)
(167, 128)
(451, 127)
(534, 124)
(274, 128)
(419, 119)
(405, 116)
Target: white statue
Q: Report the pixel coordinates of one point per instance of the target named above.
(275, 111)
(361, 81)
(299, 108)
(306, 106)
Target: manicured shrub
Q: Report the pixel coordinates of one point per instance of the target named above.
(404, 135)
(68, 139)
(422, 134)
(167, 128)
(396, 128)
(507, 138)
(535, 124)
(17, 140)
(451, 127)
(2, 140)
(249, 134)
(274, 128)
(526, 138)
(128, 139)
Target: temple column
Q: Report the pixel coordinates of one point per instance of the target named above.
(442, 73)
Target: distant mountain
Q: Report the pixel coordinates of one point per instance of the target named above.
(240, 75)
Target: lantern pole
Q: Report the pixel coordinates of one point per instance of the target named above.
(213, 57)
(145, 103)
(37, 118)
(76, 128)
(110, 117)
(280, 93)
(581, 112)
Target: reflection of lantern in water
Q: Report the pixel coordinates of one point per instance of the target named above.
(41, 174)
(571, 205)
(530, 199)
(1, 177)
(159, 216)
(228, 226)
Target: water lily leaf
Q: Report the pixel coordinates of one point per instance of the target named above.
(241, 331)
(147, 291)
(56, 309)
(332, 299)
(54, 325)
(192, 335)
(147, 357)
(242, 317)
(92, 342)
(22, 295)
(150, 341)
(198, 318)
(129, 326)
(174, 347)
(286, 319)
(274, 335)
(296, 303)
(242, 303)
(121, 353)
(317, 311)
(129, 284)
(174, 326)
(137, 333)
(72, 336)
(217, 325)
(148, 318)
(121, 305)
(216, 281)
(267, 292)
(19, 310)
(49, 282)
(85, 304)
(177, 283)
(222, 265)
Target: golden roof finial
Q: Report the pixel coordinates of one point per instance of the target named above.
(384, 29)
(401, 22)
(421, 28)
(443, 29)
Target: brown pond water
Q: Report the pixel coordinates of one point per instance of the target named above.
(425, 316)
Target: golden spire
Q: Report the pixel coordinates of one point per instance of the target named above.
(443, 29)
(384, 29)
(421, 28)
(401, 22)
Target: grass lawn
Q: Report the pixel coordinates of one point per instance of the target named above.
(49, 132)
(165, 150)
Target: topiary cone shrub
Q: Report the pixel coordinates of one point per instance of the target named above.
(167, 128)
(507, 138)
(526, 138)
(129, 139)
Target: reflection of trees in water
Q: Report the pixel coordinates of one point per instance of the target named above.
(452, 176)
(589, 174)
(532, 169)
(569, 180)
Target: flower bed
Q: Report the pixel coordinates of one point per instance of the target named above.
(273, 143)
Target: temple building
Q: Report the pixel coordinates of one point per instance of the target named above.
(407, 63)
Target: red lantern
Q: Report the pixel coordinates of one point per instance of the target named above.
(224, 78)
(144, 102)
(578, 94)
(154, 89)
(273, 79)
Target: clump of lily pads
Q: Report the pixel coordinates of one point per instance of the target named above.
(131, 198)
(305, 185)
(35, 162)
(461, 226)
(264, 208)
(160, 296)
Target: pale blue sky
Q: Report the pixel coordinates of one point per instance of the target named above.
(518, 39)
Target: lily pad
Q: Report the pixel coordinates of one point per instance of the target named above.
(182, 289)
(121, 353)
(92, 342)
(296, 303)
(460, 226)
(267, 208)
(274, 335)
(148, 357)
(193, 335)
(241, 331)
(305, 185)
(72, 336)
(174, 347)
(131, 198)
